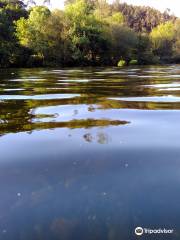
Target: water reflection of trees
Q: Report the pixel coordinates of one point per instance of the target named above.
(142, 105)
(95, 91)
(25, 126)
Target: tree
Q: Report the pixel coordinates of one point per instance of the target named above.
(85, 31)
(123, 40)
(176, 46)
(124, 43)
(10, 11)
(102, 10)
(144, 50)
(59, 46)
(162, 38)
(44, 34)
(31, 31)
(141, 18)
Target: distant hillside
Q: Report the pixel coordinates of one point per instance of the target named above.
(141, 18)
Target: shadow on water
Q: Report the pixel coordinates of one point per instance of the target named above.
(89, 153)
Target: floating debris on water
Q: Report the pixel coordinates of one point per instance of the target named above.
(126, 165)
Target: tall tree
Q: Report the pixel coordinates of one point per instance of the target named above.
(10, 11)
(162, 38)
(176, 46)
(141, 18)
(85, 31)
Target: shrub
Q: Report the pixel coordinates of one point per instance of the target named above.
(133, 62)
(121, 63)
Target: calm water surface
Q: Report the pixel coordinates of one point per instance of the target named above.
(89, 154)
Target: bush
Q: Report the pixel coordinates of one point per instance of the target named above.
(121, 63)
(133, 62)
(35, 61)
(155, 60)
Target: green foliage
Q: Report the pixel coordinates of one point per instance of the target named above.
(144, 50)
(176, 46)
(87, 32)
(30, 32)
(43, 33)
(123, 43)
(141, 18)
(162, 38)
(162, 34)
(10, 11)
(133, 62)
(121, 63)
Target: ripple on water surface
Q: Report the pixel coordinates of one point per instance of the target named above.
(89, 153)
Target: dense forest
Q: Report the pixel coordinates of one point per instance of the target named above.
(86, 33)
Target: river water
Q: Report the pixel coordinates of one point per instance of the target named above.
(89, 154)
